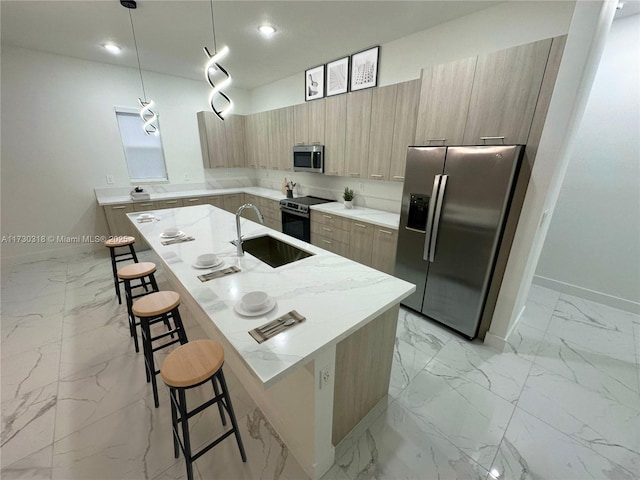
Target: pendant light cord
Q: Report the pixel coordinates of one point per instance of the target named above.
(135, 43)
(213, 27)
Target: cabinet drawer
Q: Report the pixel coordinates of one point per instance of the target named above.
(330, 220)
(330, 233)
(176, 202)
(333, 246)
(187, 202)
(144, 206)
(216, 201)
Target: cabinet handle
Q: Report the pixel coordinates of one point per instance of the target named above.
(315, 143)
(193, 200)
(326, 241)
(374, 175)
(353, 174)
(146, 204)
(299, 143)
(386, 231)
(118, 208)
(360, 225)
(437, 140)
(171, 202)
(327, 229)
(398, 177)
(332, 173)
(325, 216)
(484, 139)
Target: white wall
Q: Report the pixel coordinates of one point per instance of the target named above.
(502, 26)
(60, 139)
(593, 243)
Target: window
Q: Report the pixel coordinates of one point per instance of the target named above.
(143, 153)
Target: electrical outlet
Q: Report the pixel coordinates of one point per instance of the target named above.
(110, 180)
(324, 377)
(186, 177)
(361, 187)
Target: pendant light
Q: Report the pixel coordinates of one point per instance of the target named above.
(148, 116)
(216, 75)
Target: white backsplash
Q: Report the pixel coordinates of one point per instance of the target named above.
(375, 194)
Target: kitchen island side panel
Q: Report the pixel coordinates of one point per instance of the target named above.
(363, 371)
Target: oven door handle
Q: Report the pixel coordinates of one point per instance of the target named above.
(293, 212)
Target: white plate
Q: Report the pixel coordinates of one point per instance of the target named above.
(177, 235)
(255, 313)
(216, 264)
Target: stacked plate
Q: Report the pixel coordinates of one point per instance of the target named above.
(207, 260)
(254, 304)
(172, 233)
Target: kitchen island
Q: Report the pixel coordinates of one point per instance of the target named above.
(315, 381)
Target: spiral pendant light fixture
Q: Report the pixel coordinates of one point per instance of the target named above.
(217, 77)
(147, 115)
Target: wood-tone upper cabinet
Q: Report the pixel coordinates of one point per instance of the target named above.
(404, 129)
(250, 139)
(444, 102)
(334, 134)
(385, 241)
(234, 128)
(383, 113)
(213, 129)
(505, 93)
(361, 242)
(317, 115)
(356, 153)
(261, 125)
(301, 124)
(280, 138)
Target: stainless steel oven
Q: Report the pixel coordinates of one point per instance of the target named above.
(296, 216)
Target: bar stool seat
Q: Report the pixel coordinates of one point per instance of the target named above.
(118, 242)
(189, 366)
(144, 272)
(151, 309)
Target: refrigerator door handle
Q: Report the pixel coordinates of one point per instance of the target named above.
(432, 209)
(436, 219)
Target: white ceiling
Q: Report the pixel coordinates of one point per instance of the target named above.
(171, 34)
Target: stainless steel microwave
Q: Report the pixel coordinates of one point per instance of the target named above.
(308, 158)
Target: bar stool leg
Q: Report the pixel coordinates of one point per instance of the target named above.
(148, 358)
(131, 317)
(116, 281)
(182, 403)
(174, 422)
(232, 415)
(216, 392)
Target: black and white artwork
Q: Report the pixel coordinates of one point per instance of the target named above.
(337, 76)
(314, 83)
(364, 69)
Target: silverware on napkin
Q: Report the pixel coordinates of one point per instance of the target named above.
(219, 273)
(279, 325)
(177, 240)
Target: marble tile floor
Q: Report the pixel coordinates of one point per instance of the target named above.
(561, 402)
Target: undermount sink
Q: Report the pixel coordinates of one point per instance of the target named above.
(272, 251)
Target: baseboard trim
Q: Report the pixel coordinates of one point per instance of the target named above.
(587, 294)
(499, 343)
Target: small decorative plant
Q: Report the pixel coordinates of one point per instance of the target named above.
(348, 194)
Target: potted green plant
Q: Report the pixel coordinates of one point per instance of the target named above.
(348, 197)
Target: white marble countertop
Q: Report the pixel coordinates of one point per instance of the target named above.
(104, 197)
(376, 217)
(336, 295)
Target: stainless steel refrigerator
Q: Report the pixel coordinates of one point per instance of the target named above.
(454, 206)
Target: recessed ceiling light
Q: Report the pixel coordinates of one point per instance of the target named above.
(267, 30)
(112, 48)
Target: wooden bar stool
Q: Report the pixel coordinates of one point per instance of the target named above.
(189, 366)
(151, 309)
(144, 272)
(117, 243)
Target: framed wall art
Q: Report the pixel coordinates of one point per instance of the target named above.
(364, 69)
(338, 76)
(314, 83)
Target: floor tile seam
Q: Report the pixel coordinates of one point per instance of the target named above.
(581, 442)
(118, 325)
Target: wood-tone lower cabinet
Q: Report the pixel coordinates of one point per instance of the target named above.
(361, 242)
(216, 201)
(232, 202)
(385, 241)
(146, 205)
(189, 202)
(117, 219)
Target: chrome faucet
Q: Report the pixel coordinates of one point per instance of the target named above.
(239, 240)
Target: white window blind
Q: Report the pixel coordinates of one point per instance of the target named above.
(143, 153)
